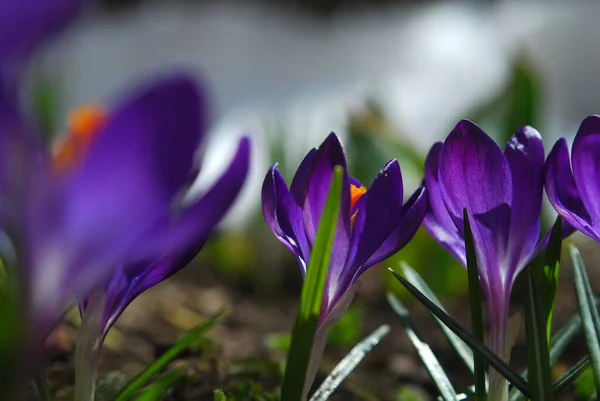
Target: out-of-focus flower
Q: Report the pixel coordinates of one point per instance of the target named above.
(199, 218)
(24, 25)
(502, 192)
(373, 224)
(576, 194)
(108, 196)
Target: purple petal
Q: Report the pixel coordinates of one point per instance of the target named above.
(137, 164)
(299, 186)
(284, 216)
(25, 24)
(525, 156)
(379, 215)
(412, 214)
(586, 165)
(191, 228)
(474, 174)
(562, 192)
(328, 155)
(437, 221)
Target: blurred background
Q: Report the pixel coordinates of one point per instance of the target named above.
(391, 78)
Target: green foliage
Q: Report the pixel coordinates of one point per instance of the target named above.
(435, 370)
(220, 395)
(475, 306)
(157, 366)
(159, 388)
(588, 312)
(492, 359)
(538, 358)
(312, 295)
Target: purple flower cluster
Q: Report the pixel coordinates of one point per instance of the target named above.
(102, 210)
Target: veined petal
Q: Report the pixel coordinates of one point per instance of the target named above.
(299, 186)
(437, 221)
(328, 155)
(412, 215)
(378, 215)
(474, 174)
(562, 192)
(585, 160)
(284, 216)
(525, 155)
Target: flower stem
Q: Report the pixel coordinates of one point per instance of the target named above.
(87, 349)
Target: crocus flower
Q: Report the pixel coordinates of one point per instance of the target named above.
(502, 192)
(24, 26)
(201, 216)
(576, 194)
(109, 195)
(372, 225)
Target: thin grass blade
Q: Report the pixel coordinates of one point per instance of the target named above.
(459, 346)
(183, 343)
(571, 375)
(435, 370)
(538, 358)
(478, 347)
(312, 295)
(588, 313)
(349, 363)
(158, 389)
(475, 303)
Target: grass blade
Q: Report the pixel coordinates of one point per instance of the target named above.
(157, 390)
(561, 339)
(571, 375)
(538, 358)
(588, 313)
(551, 273)
(477, 346)
(183, 343)
(349, 363)
(475, 302)
(312, 295)
(461, 348)
(435, 370)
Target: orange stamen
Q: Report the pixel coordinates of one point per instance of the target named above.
(355, 194)
(83, 123)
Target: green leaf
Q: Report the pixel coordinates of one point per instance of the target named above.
(551, 272)
(183, 343)
(478, 347)
(435, 370)
(157, 390)
(475, 302)
(219, 395)
(588, 313)
(561, 339)
(312, 295)
(538, 358)
(571, 375)
(461, 348)
(349, 363)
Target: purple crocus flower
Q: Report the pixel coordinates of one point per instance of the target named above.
(502, 192)
(373, 224)
(200, 217)
(576, 195)
(109, 196)
(24, 26)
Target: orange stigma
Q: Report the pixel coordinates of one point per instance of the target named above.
(82, 123)
(355, 194)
